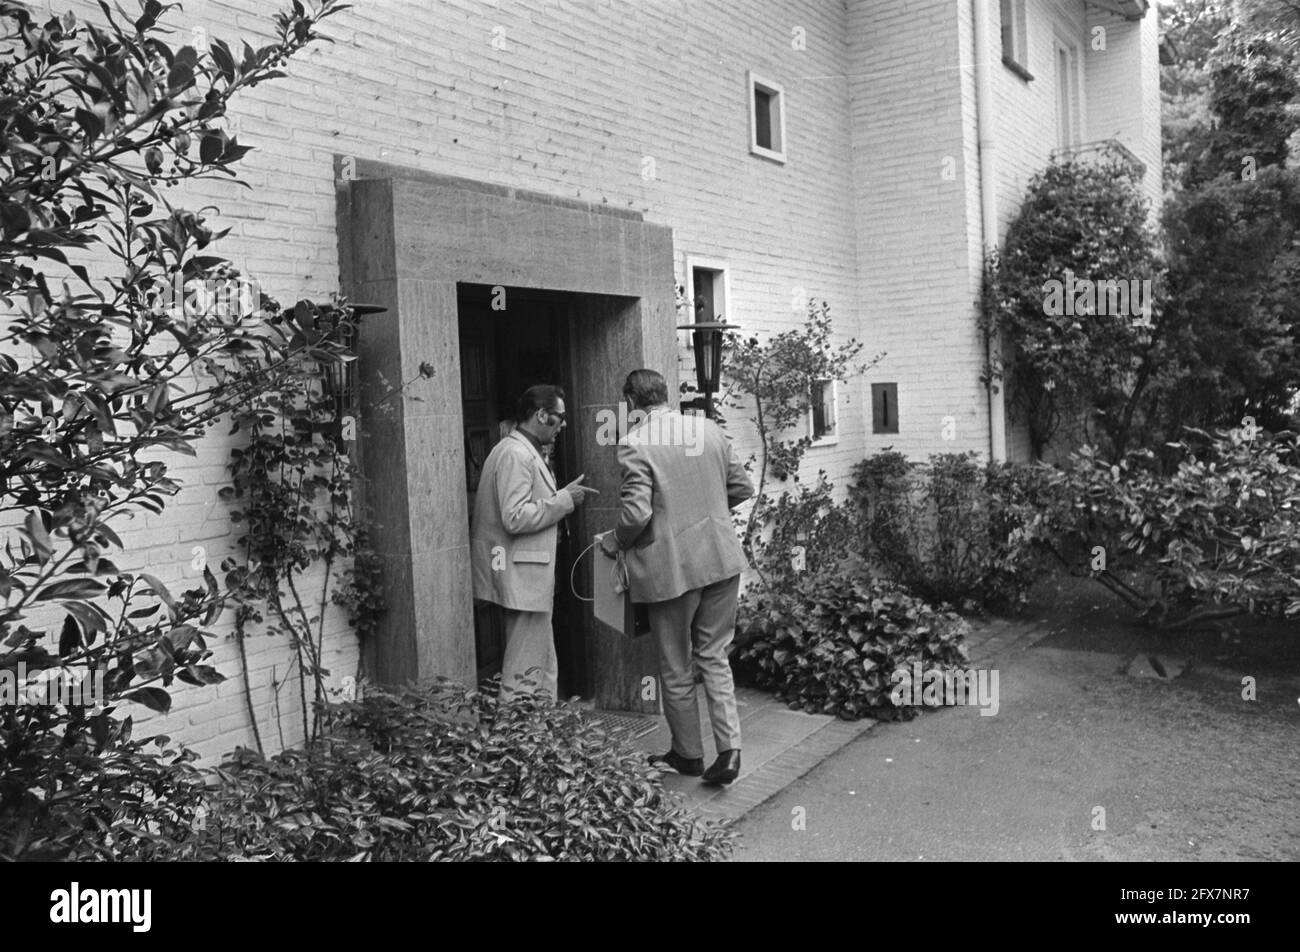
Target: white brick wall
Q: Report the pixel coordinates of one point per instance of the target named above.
(581, 94)
(1120, 99)
(913, 219)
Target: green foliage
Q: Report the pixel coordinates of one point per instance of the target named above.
(1227, 94)
(407, 776)
(361, 590)
(1231, 323)
(1232, 318)
(93, 795)
(1218, 537)
(1089, 219)
(95, 119)
(827, 643)
(777, 375)
(293, 482)
(1192, 29)
(449, 776)
(807, 531)
(1251, 88)
(954, 530)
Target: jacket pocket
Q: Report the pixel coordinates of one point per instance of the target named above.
(542, 558)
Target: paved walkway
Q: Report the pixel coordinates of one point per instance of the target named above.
(1090, 757)
(781, 745)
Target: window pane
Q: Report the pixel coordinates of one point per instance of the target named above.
(762, 119)
(706, 308)
(817, 397)
(1064, 104)
(884, 408)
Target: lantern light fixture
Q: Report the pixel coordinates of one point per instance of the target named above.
(707, 339)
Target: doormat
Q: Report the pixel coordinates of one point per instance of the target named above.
(627, 726)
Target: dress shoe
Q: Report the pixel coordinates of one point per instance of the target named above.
(725, 769)
(690, 766)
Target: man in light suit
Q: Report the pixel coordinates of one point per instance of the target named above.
(681, 479)
(512, 539)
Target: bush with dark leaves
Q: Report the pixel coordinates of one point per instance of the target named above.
(446, 775)
(81, 797)
(828, 643)
(954, 529)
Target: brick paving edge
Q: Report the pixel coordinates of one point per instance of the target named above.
(733, 803)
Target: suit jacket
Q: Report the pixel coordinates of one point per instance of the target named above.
(681, 480)
(513, 530)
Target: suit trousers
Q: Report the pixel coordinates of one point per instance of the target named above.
(694, 630)
(530, 654)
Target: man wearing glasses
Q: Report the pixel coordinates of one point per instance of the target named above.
(512, 539)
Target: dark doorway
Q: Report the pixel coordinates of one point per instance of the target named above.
(511, 339)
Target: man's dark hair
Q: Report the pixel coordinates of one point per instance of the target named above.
(544, 396)
(645, 388)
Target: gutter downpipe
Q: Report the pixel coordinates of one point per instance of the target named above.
(984, 121)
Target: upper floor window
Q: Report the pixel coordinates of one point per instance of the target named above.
(766, 119)
(1015, 37)
(1068, 125)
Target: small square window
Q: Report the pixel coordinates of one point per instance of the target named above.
(1015, 33)
(884, 408)
(766, 119)
(821, 412)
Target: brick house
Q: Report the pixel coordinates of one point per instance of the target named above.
(583, 156)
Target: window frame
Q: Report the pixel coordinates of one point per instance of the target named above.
(718, 266)
(1016, 58)
(755, 82)
(884, 427)
(1073, 90)
(832, 435)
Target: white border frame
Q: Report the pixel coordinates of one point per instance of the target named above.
(1019, 33)
(1074, 68)
(712, 264)
(754, 80)
(834, 436)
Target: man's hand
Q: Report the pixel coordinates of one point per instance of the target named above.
(580, 492)
(609, 544)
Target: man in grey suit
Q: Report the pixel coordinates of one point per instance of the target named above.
(512, 539)
(681, 479)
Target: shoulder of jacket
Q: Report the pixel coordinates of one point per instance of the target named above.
(511, 447)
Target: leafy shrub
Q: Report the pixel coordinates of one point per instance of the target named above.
(93, 796)
(1082, 362)
(1234, 310)
(1231, 229)
(448, 776)
(955, 530)
(827, 643)
(807, 531)
(779, 376)
(1218, 537)
(99, 376)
